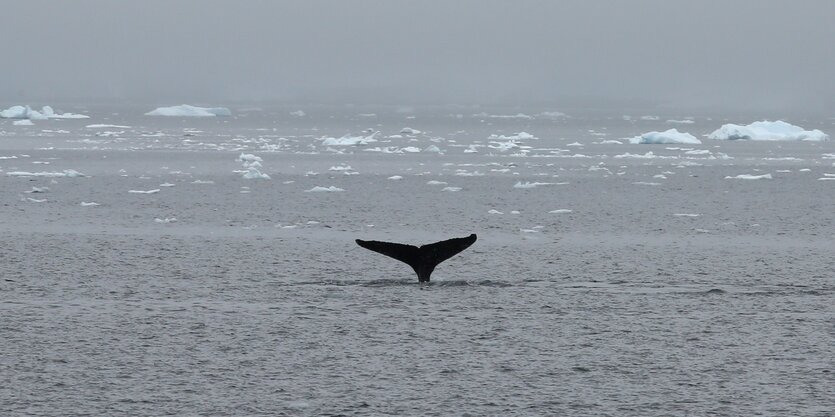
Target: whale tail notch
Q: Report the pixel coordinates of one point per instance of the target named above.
(422, 259)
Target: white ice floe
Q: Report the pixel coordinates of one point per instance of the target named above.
(348, 140)
(37, 190)
(24, 122)
(410, 149)
(749, 177)
(318, 189)
(185, 110)
(36, 200)
(410, 131)
(552, 114)
(26, 112)
(66, 173)
(165, 220)
(101, 126)
(682, 121)
(650, 118)
(154, 191)
(575, 144)
(515, 136)
(560, 211)
(298, 113)
(90, 204)
(451, 189)
(527, 185)
(434, 182)
(686, 215)
(610, 142)
(252, 173)
(432, 149)
(340, 168)
(395, 177)
(648, 155)
(494, 211)
(668, 136)
(766, 130)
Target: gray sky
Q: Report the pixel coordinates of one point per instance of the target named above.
(749, 54)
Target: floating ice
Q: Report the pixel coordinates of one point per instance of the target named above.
(66, 173)
(560, 211)
(340, 168)
(410, 149)
(395, 177)
(410, 131)
(154, 191)
(298, 113)
(683, 121)
(686, 215)
(252, 173)
(185, 110)
(527, 185)
(515, 136)
(318, 189)
(749, 177)
(24, 122)
(99, 126)
(766, 130)
(90, 204)
(37, 190)
(433, 182)
(668, 136)
(26, 112)
(165, 220)
(650, 118)
(493, 211)
(610, 142)
(451, 189)
(553, 114)
(348, 140)
(432, 149)
(36, 200)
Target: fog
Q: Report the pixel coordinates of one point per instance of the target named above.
(740, 54)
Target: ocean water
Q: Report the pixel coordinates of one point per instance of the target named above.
(633, 280)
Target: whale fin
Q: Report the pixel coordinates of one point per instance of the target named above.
(423, 259)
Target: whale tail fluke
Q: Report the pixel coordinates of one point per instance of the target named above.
(422, 259)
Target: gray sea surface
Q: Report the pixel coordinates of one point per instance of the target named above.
(607, 279)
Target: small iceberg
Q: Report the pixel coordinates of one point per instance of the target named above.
(319, 189)
(252, 173)
(665, 137)
(766, 130)
(185, 110)
(154, 191)
(560, 211)
(515, 136)
(410, 131)
(26, 112)
(24, 122)
(348, 140)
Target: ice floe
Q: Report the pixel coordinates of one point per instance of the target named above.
(318, 189)
(101, 126)
(154, 191)
(515, 136)
(298, 113)
(766, 130)
(494, 211)
(560, 211)
(749, 177)
(89, 204)
(667, 136)
(410, 131)
(349, 140)
(185, 110)
(26, 112)
(451, 189)
(251, 163)
(66, 173)
(395, 177)
(165, 220)
(24, 122)
(527, 185)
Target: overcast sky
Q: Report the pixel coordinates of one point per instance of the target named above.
(756, 53)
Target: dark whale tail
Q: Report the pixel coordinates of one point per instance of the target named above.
(422, 259)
